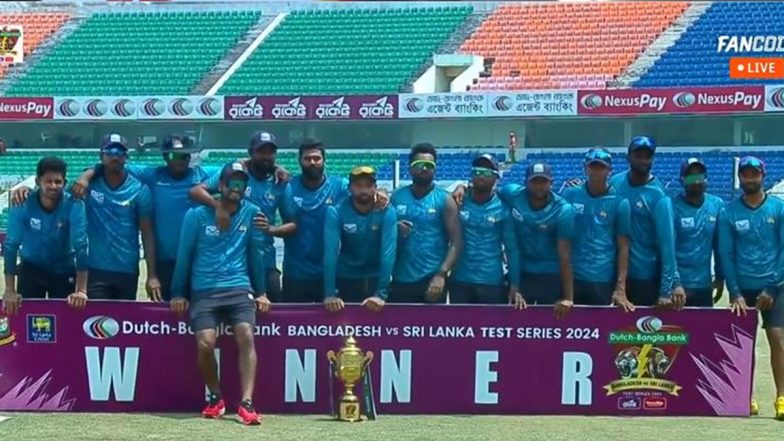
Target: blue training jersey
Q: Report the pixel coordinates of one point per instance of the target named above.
(113, 217)
(421, 253)
(359, 246)
(652, 247)
(55, 240)
(538, 230)
(598, 222)
(271, 197)
(488, 235)
(171, 201)
(696, 240)
(304, 251)
(217, 261)
(751, 245)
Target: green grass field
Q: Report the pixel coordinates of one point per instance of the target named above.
(134, 427)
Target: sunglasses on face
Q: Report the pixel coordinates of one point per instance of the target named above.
(116, 152)
(237, 184)
(179, 156)
(424, 164)
(483, 172)
(695, 179)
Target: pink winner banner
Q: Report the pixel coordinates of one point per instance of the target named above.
(137, 357)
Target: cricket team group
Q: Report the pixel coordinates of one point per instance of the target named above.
(614, 238)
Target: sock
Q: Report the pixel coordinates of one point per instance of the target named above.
(247, 404)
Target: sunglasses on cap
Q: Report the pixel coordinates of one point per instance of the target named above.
(598, 155)
(751, 162)
(483, 172)
(423, 164)
(697, 178)
(115, 151)
(363, 170)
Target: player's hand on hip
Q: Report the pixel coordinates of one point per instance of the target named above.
(77, 300)
(19, 196)
(333, 304)
(222, 218)
(621, 300)
(261, 222)
(12, 302)
(178, 305)
(404, 228)
(153, 287)
(764, 301)
(718, 287)
(436, 288)
(516, 299)
(263, 303)
(739, 306)
(678, 298)
(374, 303)
(79, 188)
(562, 308)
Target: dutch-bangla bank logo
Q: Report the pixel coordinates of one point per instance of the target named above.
(593, 101)
(776, 98)
(101, 327)
(684, 99)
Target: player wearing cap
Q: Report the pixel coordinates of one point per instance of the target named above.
(359, 246)
(696, 236)
(227, 285)
(169, 186)
(600, 248)
(430, 239)
(268, 193)
(652, 250)
(51, 230)
(488, 236)
(751, 245)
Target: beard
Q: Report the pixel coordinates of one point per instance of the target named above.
(695, 190)
(263, 167)
(422, 181)
(313, 173)
(751, 188)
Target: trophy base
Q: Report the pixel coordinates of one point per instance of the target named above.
(349, 411)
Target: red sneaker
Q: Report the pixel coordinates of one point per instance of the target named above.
(214, 410)
(248, 414)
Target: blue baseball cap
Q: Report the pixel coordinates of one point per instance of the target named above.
(687, 163)
(642, 142)
(538, 170)
(262, 139)
(230, 169)
(487, 160)
(114, 141)
(753, 162)
(599, 156)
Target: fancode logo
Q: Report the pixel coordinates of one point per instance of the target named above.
(379, 108)
(684, 99)
(415, 105)
(591, 101)
(68, 108)
(181, 107)
(293, 109)
(250, 109)
(101, 327)
(124, 108)
(776, 98)
(337, 109)
(153, 107)
(210, 106)
(95, 108)
(504, 103)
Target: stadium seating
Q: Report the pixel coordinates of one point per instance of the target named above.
(345, 51)
(566, 45)
(136, 54)
(36, 28)
(694, 61)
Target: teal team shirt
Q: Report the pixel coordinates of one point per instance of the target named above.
(751, 245)
(696, 240)
(538, 230)
(488, 236)
(421, 253)
(598, 222)
(55, 240)
(359, 246)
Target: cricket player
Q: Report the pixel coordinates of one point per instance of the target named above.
(652, 269)
(489, 236)
(169, 185)
(430, 239)
(227, 285)
(600, 248)
(696, 236)
(751, 246)
(51, 230)
(268, 193)
(359, 246)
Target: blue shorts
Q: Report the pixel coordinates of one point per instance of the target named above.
(111, 285)
(702, 297)
(477, 294)
(209, 312)
(772, 318)
(593, 293)
(643, 292)
(541, 289)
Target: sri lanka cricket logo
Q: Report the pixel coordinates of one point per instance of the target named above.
(646, 353)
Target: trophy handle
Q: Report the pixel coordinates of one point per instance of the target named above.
(367, 360)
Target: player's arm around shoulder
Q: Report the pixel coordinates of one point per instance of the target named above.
(258, 273)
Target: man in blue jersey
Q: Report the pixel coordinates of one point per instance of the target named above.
(600, 248)
(169, 185)
(227, 285)
(51, 230)
(489, 236)
(751, 245)
(430, 239)
(268, 193)
(652, 250)
(696, 236)
(359, 246)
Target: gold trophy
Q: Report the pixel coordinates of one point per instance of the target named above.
(350, 363)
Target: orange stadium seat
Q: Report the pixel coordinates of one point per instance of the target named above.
(36, 26)
(532, 51)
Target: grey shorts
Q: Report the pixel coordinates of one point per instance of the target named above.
(209, 312)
